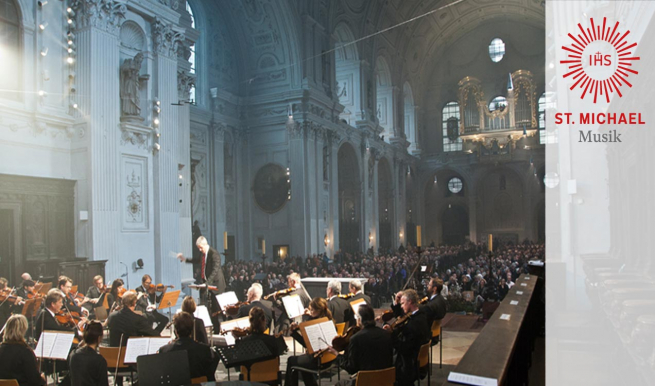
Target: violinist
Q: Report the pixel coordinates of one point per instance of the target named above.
(369, 349)
(318, 308)
(436, 307)
(355, 287)
(17, 360)
(408, 337)
(5, 305)
(87, 367)
(114, 300)
(255, 300)
(293, 280)
(26, 290)
(95, 292)
(126, 323)
(147, 303)
(201, 363)
(257, 318)
(199, 332)
(46, 320)
(70, 303)
(338, 306)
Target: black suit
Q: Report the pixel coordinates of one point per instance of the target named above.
(200, 332)
(245, 311)
(48, 322)
(17, 361)
(369, 349)
(213, 272)
(341, 310)
(201, 363)
(88, 368)
(152, 316)
(435, 309)
(360, 295)
(126, 323)
(408, 340)
(283, 321)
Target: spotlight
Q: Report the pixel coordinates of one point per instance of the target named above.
(42, 93)
(71, 23)
(73, 88)
(71, 76)
(74, 104)
(156, 121)
(70, 11)
(157, 109)
(70, 42)
(158, 103)
(157, 147)
(43, 25)
(70, 60)
(41, 3)
(71, 51)
(290, 111)
(44, 51)
(157, 133)
(70, 35)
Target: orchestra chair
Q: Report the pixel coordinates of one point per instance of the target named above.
(326, 365)
(436, 339)
(111, 355)
(384, 377)
(424, 362)
(171, 368)
(267, 372)
(198, 380)
(8, 382)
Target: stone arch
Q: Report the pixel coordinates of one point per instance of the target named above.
(437, 198)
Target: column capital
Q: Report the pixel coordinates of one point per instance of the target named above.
(166, 38)
(185, 80)
(105, 15)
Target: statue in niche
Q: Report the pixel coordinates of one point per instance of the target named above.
(130, 100)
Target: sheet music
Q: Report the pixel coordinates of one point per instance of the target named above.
(203, 313)
(519, 292)
(62, 347)
(226, 299)
(135, 347)
(320, 333)
(54, 345)
(471, 379)
(293, 306)
(45, 343)
(524, 284)
(154, 344)
(504, 317)
(356, 304)
(514, 302)
(232, 324)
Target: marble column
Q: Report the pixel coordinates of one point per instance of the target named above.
(300, 227)
(217, 134)
(98, 56)
(333, 205)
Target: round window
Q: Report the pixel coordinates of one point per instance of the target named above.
(496, 50)
(498, 103)
(455, 185)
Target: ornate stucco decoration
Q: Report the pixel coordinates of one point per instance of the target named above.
(185, 80)
(103, 14)
(295, 130)
(174, 4)
(166, 38)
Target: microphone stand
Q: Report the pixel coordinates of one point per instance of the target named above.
(126, 275)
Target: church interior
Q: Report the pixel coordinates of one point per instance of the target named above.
(393, 142)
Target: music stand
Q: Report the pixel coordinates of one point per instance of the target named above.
(167, 301)
(30, 309)
(45, 287)
(244, 353)
(171, 368)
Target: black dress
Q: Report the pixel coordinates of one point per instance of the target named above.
(17, 361)
(88, 368)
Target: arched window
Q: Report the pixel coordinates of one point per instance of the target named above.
(192, 58)
(410, 117)
(9, 49)
(450, 115)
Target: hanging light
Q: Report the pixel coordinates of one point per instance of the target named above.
(43, 25)
(74, 105)
(44, 51)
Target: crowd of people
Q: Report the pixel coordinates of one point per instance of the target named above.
(467, 267)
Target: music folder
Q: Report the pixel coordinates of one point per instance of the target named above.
(355, 304)
(226, 299)
(54, 345)
(316, 333)
(143, 346)
(293, 306)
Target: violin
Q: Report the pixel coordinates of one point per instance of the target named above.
(400, 321)
(68, 318)
(341, 342)
(6, 296)
(158, 288)
(346, 296)
(238, 332)
(280, 293)
(233, 309)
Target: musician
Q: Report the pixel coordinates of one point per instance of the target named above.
(27, 287)
(6, 306)
(355, 286)
(254, 300)
(199, 332)
(70, 303)
(408, 339)
(339, 307)
(258, 324)
(87, 367)
(201, 363)
(147, 303)
(436, 307)
(210, 274)
(369, 349)
(126, 323)
(293, 281)
(26, 276)
(114, 298)
(96, 290)
(17, 360)
(46, 319)
(318, 308)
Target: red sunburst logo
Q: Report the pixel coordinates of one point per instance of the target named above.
(599, 60)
